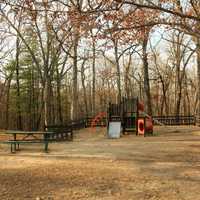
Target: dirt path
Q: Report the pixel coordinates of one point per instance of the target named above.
(93, 167)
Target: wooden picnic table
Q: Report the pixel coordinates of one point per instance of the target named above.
(28, 137)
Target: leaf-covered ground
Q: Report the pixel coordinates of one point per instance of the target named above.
(96, 168)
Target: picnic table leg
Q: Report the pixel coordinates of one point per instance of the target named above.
(72, 135)
(46, 147)
(11, 148)
(46, 137)
(17, 146)
(15, 138)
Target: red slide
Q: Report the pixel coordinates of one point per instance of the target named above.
(98, 118)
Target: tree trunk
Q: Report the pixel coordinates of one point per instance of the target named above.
(59, 103)
(89, 98)
(19, 116)
(47, 97)
(147, 94)
(74, 111)
(31, 101)
(84, 89)
(93, 79)
(178, 88)
(8, 101)
(178, 102)
(198, 78)
(164, 98)
(127, 82)
(118, 72)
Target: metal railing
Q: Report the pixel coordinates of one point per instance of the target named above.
(175, 120)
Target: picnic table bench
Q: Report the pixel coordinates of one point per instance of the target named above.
(31, 137)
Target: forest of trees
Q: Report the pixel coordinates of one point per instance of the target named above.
(63, 60)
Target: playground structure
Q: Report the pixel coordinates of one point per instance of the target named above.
(98, 120)
(145, 125)
(130, 116)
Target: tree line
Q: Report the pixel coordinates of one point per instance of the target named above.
(67, 59)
